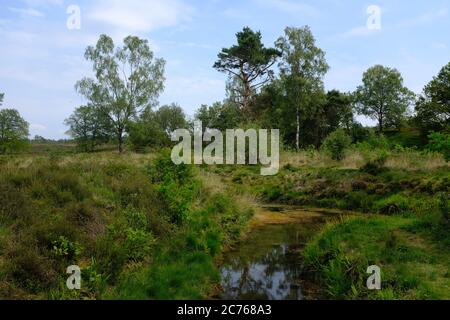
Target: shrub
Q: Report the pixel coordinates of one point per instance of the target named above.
(375, 166)
(176, 186)
(444, 207)
(440, 142)
(392, 205)
(374, 141)
(138, 243)
(29, 269)
(336, 144)
(14, 205)
(63, 247)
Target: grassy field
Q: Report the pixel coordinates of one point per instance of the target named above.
(133, 223)
(143, 228)
(404, 225)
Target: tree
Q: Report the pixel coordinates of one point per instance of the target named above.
(433, 107)
(39, 139)
(127, 81)
(250, 62)
(89, 127)
(13, 131)
(382, 97)
(440, 142)
(221, 116)
(171, 118)
(153, 128)
(302, 69)
(338, 112)
(336, 144)
(2, 95)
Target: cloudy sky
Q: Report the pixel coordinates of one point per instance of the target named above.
(41, 58)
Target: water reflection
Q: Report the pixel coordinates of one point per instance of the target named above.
(267, 265)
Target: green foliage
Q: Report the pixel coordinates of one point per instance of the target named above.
(433, 107)
(65, 248)
(383, 97)
(176, 186)
(376, 162)
(13, 131)
(153, 129)
(336, 144)
(394, 204)
(249, 61)
(302, 69)
(116, 94)
(221, 116)
(440, 142)
(89, 127)
(444, 207)
(373, 141)
(341, 253)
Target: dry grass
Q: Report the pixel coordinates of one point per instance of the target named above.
(416, 161)
(408, 160)
(103, 158)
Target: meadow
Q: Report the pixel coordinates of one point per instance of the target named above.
(141, 227)
(402, 221)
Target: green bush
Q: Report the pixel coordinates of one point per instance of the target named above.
(176, 186)
(336, 144)
(440, 142)
(374, 141)
(63, 247)
(375, 165)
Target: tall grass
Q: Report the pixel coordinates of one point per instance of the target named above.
(116, 216)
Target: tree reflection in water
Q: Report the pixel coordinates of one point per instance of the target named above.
(267, 265)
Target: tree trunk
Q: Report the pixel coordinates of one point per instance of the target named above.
(120, 140)
(381, 124)
(297, 135)
(247, 97)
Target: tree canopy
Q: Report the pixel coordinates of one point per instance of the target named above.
(383, 97)
(127, 80)
(13, 130)
(302, 68)
(153, 128)
(250, 62)
(433, 107)
(89, 127)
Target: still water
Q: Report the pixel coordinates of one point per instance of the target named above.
(267, 265)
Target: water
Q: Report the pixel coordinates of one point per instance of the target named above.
(267, 265)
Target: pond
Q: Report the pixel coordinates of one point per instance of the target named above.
(267, 264)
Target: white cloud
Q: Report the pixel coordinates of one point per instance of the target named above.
(425, 18)
(27, 12)
(140, 16)
(358, 32)
(290, 6)
(42, 3)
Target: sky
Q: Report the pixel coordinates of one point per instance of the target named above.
(42, 44)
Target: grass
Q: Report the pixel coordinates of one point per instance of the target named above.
(413, 266)
(403, 196)
(120, 218)
(140, 227)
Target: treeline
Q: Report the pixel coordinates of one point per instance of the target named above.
(268, 87)
(276, 87)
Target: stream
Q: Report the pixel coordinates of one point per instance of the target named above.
(267, 264)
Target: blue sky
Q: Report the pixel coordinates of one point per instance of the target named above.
(41, 59)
